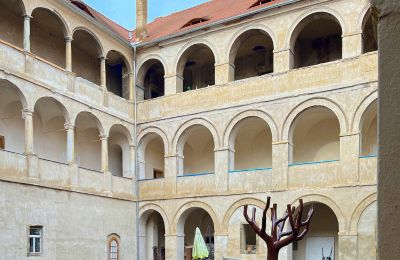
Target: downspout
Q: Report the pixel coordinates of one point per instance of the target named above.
(136, 154)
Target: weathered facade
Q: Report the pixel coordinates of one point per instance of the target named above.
(281, 102)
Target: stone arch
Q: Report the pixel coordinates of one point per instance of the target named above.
(322, 9)
(25, 103)
(190, 44)
(124, 130)
(261, 27)
(66, 30)
(247, 114)
(143, 138)
(149, 57)
(126, 61)
(240, 203)
(356, 215)
(180, 137)
(99, 47)
(66, 113)
(148, 67)
(146, 210)
(317, 198)
(358, 115)
(314, 102)
(184, 211)
(96, 118)
(362, 15)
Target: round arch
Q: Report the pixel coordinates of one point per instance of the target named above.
(145, 136)
(240, 203)
(122, 129)
(10, 85)
(123, 57)
(361, 17)
(356, 215)
(146, 210)
(185, 210)
(295, 28)
(241, 31)
(147, 58)
(358, 115)
(233, 123)
(66, 113)
(314, 102)
(181, 135)
(191, 44)
(99, 47)
(317, 198)
(96, 119)
(65, 28)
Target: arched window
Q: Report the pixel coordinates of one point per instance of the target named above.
(113, 247)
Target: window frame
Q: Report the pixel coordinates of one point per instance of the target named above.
(112, 238)
(34, 237)
(2, 142)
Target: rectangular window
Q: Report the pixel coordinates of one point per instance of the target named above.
(2, 142)
(249, 240)
(158, 174)
(35, 239)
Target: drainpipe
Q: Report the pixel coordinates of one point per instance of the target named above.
(136, 154)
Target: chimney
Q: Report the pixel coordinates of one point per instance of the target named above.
(141, 19)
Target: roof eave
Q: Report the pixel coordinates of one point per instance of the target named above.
(216, 23)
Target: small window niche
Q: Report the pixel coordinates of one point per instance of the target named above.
(2, 142)
(35, 240)
(248, 240)
(158, 174)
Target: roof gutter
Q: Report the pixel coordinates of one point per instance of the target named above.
(92, 20)
(227, 20)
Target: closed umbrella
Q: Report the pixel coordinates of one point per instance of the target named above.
(200, 250)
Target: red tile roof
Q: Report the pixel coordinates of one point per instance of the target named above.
(212, 11)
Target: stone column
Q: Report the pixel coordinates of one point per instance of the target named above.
(28, 116)
(70, 143)
(224, 73)
(32, 160)
(27, 33)
(103, 72)
(352, 44)
(280, 162)
(131, 86)
(221, 157)
(171, 171)
(174, 246)
(68, 54)
(104, 153)
(283, 60)
(347, 248)
(349, 153)
(173, 84)
(220, 245)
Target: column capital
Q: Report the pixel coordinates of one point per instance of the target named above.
(103, 137)
(102, 58)
(26, 112)
(27, 16)
(68, 39)
(132, 146)
(69, 126)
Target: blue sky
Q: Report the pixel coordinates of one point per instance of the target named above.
(123, 11)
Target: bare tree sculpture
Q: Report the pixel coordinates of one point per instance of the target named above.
(280, 238)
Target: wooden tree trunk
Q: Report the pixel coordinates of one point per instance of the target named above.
(272, 254)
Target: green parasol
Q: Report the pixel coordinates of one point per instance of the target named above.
(200, 250)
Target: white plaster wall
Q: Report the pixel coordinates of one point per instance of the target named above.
(367, 231)
(154, 157)
(75, 226)
(198, 152)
